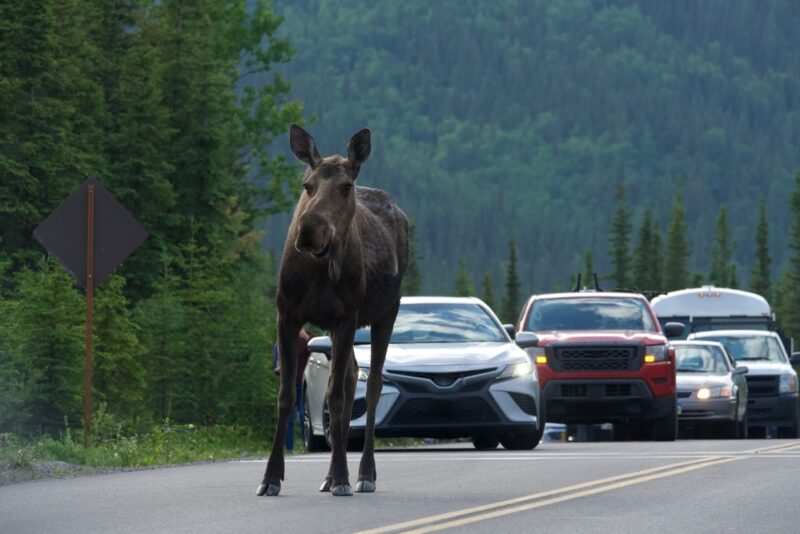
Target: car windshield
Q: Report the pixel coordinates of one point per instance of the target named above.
(755, 347)
(587, 313)
(441, 323)
(696, 359)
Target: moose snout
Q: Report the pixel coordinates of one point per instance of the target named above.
(314, 235)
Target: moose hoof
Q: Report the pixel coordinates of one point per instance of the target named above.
(270, 490)
(365, 486)
(326, 486)
(342, 491)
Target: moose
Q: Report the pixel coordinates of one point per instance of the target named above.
(345, 255)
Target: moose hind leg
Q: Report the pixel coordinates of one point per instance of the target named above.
(381, 332)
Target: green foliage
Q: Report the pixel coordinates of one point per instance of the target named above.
(587, 276)
(760, 278)
(465, 285)
(620, 236)
(790, 298)
(412, 280)
(511, 305)
(723, 269)
(488, 290)
(676, 265)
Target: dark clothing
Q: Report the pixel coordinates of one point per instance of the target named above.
(302, 356)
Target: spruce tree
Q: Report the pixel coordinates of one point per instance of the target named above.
(619, 239)
(658, 270)
(791, 299)
(488, 290)
(412, 279)
(723, 270)
(643, 262)
(760, 278)
(587, 278)
(465, 286)
(676, 272)
(510, 305)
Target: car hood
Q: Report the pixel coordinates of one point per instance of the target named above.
(445, 356)
(763, 367)
(610, 336)
(686, 381)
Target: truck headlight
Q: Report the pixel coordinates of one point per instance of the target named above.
(516, 370)
(655, 353)
(722, 392)
(363, 373)
(788, 384)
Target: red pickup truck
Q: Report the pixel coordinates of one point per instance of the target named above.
(602, 357)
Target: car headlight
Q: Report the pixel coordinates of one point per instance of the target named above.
(516, 370)
(788, 384)
(721, 392)
(655, 353)
(363, 373)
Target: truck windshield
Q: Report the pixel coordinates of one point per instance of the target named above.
(590, 313)
(755, 347)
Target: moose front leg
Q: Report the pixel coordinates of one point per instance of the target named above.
(340, 396)
(287, 361)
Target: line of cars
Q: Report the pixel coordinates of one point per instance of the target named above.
(453, 371)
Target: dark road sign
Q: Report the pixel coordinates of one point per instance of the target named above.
(116, 233)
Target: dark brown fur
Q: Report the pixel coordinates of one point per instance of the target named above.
(345, 255)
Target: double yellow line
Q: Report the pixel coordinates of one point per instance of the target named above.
(475, 514)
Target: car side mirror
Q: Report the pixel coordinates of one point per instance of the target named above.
(795, 359)
(508, 327)
(321, 344)
(674, 329)
(742, 370)
(527, 340)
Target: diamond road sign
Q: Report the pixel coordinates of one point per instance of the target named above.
(116, 233)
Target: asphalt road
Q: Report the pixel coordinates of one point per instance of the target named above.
(687, 486)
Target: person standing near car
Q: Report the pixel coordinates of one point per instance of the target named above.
(302, 361)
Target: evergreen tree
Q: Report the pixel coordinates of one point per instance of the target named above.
(412, 279)
(760, 278)
(587, 278)
(791, 298)
(643, 262)
(510, 305)
(658, 270)
(723, 270)
(620, 236)
(676, 273)
(488, 290)
(465, 287)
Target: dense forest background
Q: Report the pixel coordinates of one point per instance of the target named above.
(519, 119)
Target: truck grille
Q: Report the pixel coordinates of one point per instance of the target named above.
(420, 412)
(762, 386)
(595, 358)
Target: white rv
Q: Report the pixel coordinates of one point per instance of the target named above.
(714, 308)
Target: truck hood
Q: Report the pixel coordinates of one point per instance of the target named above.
(764, 367)
(611, 336)
(446, 357)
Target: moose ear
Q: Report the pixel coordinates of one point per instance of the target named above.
(303, 146)
(358, 149)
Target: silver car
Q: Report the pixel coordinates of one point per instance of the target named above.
(712, 390)
(452, 370)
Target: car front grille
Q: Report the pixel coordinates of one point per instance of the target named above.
(525, 402)
(762, 386)
(609, 358)
(421, 412)
(443, 379)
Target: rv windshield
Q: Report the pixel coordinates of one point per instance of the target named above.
(753, 347)
(590, 313)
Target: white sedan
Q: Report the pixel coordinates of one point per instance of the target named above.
(452, 371)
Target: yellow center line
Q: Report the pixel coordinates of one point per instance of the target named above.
(517, 500)
(570, 496)
(489, 511)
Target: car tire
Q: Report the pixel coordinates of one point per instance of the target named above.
(666, 428)
(485, 441)
(523, 440)
(790, 432)
(312, 443)
(744, 426)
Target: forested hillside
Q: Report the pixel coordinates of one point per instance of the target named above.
(520, 118)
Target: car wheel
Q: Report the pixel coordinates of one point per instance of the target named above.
(788, 431)
(757, 432)
(312, 443)
(524, 440)
(666, 428)
(485, 441)
(744, 427)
